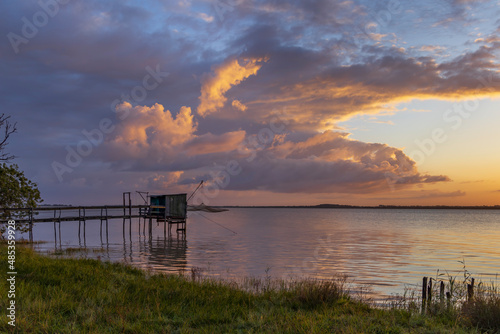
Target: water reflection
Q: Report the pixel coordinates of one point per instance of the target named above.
(387, 249)
(165, 254)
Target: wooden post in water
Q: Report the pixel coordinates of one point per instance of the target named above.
(470, 290)
(60, 244)
(124, 240)
(55, 235)
(79, 223)
(31, 225)
(441, 295)
(130, 228)
(79, 226)
(84, 230)
(57, 219)
(129, 206)
(125, 195)
(424, 293)
(107, 238)
(100, 226)
(429, 292)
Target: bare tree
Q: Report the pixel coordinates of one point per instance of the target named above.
(7, 128)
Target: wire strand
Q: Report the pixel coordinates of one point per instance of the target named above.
(213, 221)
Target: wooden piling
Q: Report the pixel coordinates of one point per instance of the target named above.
(441, 294)
(130, 229)
(429, 291)
(55, 235)
(424, 293)
(470, 290)
(60, 244)
(31, 225)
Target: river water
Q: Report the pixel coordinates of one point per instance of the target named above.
(384, 249)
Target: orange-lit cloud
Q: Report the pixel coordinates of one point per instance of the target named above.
(209, 143)
(238, 105)
(331, 162)
(319, 102)
(230, 73)
(151, 128)
(152, 139)
(152, 136)
(162, 181)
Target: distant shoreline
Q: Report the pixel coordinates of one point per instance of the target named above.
(337, 206)
(341, 206)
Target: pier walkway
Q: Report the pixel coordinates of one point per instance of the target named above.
(81, 214)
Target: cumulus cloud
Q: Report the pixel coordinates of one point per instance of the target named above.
(238, 105)
(153, 138)
(145, 129)
(230, 73)
(330, 162)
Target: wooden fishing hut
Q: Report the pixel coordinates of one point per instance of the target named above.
(169, 209)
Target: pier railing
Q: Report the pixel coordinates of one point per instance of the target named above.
(74, 213)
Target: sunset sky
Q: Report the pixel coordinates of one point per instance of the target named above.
(269, 102)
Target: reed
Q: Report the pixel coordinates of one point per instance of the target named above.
(66, 295)
(459, 298)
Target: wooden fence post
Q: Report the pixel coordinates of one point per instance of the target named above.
(429, 292)
(424, 293)
(470, 290)
(441, 294)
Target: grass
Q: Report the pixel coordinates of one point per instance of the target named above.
(480, 310)
(61, 295)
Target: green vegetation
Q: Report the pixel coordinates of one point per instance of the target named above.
(89, 296)
(17, 192)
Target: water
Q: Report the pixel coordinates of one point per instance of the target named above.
(386, 249)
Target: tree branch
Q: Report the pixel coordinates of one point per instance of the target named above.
(9, 129)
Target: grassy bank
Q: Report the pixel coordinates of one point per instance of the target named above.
(88, 296)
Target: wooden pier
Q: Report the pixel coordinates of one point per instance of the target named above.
(82, 214)
(167, 209)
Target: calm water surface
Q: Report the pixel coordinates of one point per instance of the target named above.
(386, 249)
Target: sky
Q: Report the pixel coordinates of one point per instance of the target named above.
(268, 102)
